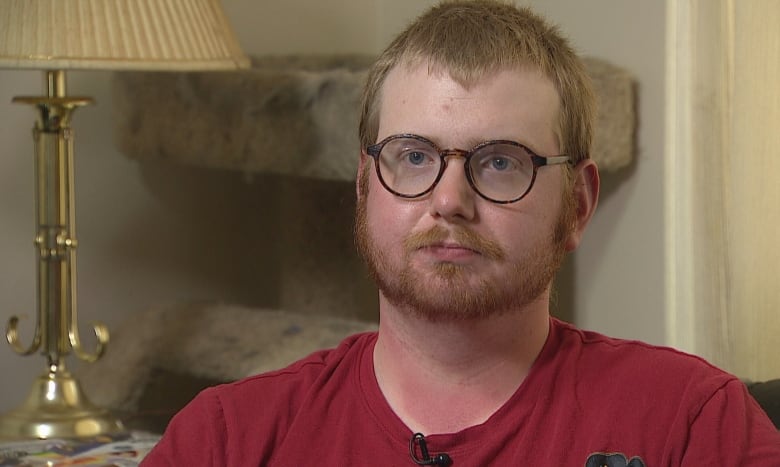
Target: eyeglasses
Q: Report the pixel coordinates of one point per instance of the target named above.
(500, 171)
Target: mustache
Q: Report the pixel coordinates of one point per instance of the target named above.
(461, 235)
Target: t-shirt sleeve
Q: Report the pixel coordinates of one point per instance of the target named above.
(195, 435)
(732, 429)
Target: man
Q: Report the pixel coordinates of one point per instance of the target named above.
(474, 181)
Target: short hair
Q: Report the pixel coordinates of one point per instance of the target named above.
(470, 39)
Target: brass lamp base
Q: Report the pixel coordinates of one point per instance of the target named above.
(57, 408)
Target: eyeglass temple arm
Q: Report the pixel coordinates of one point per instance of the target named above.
(552, 160)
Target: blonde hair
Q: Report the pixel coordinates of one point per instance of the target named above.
(471, 39)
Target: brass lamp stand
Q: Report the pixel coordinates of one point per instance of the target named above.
(56, 35)
(56, 406)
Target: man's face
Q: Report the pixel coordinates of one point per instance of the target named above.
(452, 254)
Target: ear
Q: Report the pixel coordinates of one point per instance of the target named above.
(586, 197)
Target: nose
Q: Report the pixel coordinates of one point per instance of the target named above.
(452, 197)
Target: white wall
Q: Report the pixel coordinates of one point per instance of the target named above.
(128, 257)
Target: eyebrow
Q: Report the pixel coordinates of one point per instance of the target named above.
(473, 142)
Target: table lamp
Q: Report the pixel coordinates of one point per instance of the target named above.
(55, 36)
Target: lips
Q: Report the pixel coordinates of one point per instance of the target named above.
(451, 246)
(458, 243)
(450, 251)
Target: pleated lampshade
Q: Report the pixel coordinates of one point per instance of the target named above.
(117, 35)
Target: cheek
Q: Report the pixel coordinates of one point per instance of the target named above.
(543, 207)
(381, 216)
(521, 232)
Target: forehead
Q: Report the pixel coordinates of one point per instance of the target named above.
(520, 104)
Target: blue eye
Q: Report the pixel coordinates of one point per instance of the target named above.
(416, 157)
(499, 163)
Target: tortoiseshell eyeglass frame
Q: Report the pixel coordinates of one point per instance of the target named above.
(537, 161)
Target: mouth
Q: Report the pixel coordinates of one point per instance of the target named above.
(449, 252)
(456, 245)
(450, 246)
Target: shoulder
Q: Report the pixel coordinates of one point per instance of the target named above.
(678, 400)
(636, 371)
(260, 407)
(295, 381)
(631, 356)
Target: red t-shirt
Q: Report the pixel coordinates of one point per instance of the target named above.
(589, 400)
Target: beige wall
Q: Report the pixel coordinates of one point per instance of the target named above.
(128, 257)
(618, 283)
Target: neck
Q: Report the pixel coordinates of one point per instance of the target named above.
(426, 368)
